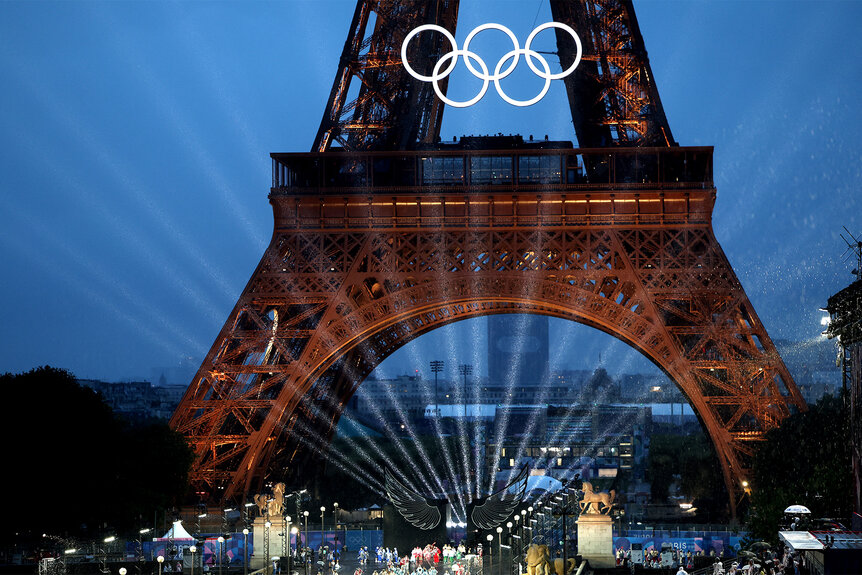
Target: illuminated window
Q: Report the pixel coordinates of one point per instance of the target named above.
(491, 169)
(539, 169)
(443, 170)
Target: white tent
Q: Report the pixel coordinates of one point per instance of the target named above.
(177, 531)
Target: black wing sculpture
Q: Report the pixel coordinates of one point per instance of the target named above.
(494, 509)
(412, 506)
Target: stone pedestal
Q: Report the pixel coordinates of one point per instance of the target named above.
(279, 539)
(596, 540)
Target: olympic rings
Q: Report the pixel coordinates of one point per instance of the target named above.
(499, 73)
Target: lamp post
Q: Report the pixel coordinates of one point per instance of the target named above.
(335, 522)
(490, 552)
(285, 539)
(499, 546)
(520, 540)
(541, 521)
(139, 548)
(160, 559)
(436, 368)
(220, 541)
(245, 551)
(225, 511)
(293, 531)
(248, 507)
(305, 543)
(193, 549)
(322, 535)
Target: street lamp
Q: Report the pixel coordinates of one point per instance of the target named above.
(305, 543)
(248, 507)
(245, 551)
(193, 549)
(322, 534)
(490, 552)
(436, 368)
(225, 511)
(285, 539)
(122, 571)
(220, 547)
(293, 531)
(335, 521)
(160, 559)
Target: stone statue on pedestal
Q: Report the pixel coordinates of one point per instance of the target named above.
(271, 506)
(595, 530)
(596, 502)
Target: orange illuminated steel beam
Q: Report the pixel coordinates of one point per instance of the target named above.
(374, 249)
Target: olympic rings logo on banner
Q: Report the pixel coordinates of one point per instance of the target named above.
(499, 73)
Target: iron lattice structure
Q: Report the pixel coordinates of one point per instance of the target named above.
(388, 108)
(612, 94)
(377, 243)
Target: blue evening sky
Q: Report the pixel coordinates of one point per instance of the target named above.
(134, 168)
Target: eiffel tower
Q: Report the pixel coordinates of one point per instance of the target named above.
(382, 233)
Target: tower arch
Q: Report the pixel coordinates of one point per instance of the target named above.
(383, 233)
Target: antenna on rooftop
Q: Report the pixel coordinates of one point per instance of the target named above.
(854, 247)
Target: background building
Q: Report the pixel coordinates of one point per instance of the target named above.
(518, 349)
(138, 401)
(845, 325)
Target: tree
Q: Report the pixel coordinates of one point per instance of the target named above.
(692, 458)
(75, 469)
(806, 460)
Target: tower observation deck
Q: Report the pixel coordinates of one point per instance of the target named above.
(494, 182)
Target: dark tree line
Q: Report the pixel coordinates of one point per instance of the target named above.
(74, 469)
(805, 461)
(689, 460)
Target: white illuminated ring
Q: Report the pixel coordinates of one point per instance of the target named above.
(528, 54)
(434, 28)
(511, 36)
(454, 56)
(499, 72)
(532, 37)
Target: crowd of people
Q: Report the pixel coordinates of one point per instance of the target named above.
(765, 563)
(428, 560)
(654, 558)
